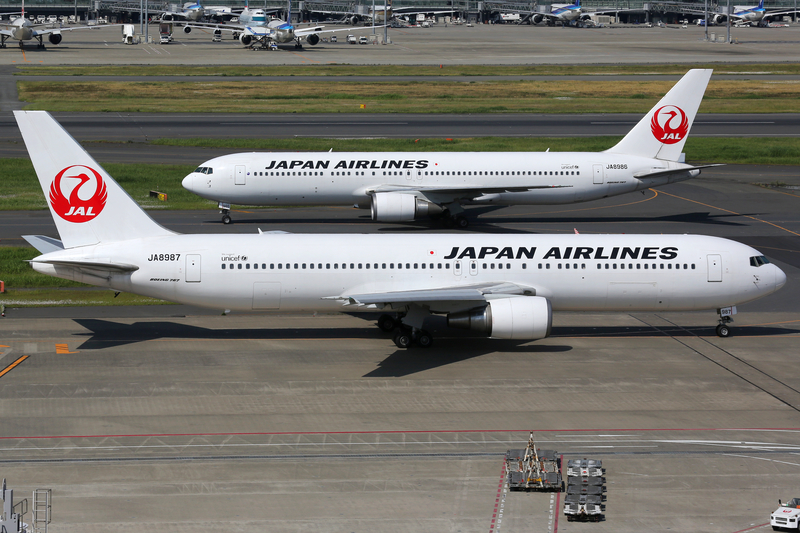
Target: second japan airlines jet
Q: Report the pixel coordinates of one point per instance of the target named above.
(502, 286)
(405, 186)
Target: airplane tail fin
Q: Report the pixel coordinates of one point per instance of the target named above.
(87, 205)
(662, 132)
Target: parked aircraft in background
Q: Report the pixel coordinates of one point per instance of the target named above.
(405, 186)
(196, 12)
(502, 286)
(560, 13)
(753, 15)
(278, 31)
(23, 30)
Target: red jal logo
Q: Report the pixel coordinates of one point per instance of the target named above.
(77, 208)
(669, 124)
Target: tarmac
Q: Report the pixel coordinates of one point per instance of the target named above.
(180, 419)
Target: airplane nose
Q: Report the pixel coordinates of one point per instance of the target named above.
(188, 182)
(780, 278)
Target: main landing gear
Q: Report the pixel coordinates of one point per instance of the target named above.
(404, 336)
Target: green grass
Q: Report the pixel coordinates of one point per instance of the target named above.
(400, 70)
(440, 96)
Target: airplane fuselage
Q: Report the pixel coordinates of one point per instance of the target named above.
(295, 272)
(352, 178)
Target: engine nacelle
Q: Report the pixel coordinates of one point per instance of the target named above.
(538, 18)
(187, 29)
(397, 207)
(718, 19)
(312, 39)
(54, 38)
(353, 20)
(516, 317)
(245, 39)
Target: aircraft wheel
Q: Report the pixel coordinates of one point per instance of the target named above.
(226, 219)
(462, 222)
(424, 340)
(402, 339)
(387, 323)
(723, 331)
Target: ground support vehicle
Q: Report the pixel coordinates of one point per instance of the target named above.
(786, 516)
(584, 507)
(534, 469)
(586, 486)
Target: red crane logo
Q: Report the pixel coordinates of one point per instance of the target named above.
(78, 208)
(669, 124)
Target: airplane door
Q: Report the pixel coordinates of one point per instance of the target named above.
(193, 268)
(598, 174)
(457, 268)
(714, 268)
(473, 268)
(266, 295)
(239, 175)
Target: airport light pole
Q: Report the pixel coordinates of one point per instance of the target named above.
(728, 18)
(705, 22)
(373, 16)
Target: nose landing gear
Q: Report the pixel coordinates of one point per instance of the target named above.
(725, 318)
(224, 209)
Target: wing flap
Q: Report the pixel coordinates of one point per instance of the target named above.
(465, 294)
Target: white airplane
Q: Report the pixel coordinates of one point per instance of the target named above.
(753, 15)
(404, 186)
(195, 12)
(503, 286)
(276, 31)
(23, 30)
(566, 14)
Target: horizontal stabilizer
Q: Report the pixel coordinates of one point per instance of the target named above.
(115, 268)
(43, 243)
(659, 173)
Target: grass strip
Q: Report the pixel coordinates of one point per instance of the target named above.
(404, 70)
(722, 96)
(20, 190)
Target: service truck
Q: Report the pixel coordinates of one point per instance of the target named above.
(786, 516)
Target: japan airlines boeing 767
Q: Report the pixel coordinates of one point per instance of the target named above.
(404, 186)
(504, 286)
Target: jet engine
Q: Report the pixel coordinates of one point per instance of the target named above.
(718, 19)
(54, 38)
(245, 39)
(187, 29)
(515, 317)
(396, 207)
(537, 18)
(312, 39)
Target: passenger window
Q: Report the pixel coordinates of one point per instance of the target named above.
(239, 266)
(547, 266)
(223, 266)
(524, 266)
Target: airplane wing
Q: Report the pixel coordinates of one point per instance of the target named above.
(300, 32)
(46, 31)
(438, 299)
(465, 192)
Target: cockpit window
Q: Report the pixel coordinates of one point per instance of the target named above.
(758, 260)
(204, 170)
